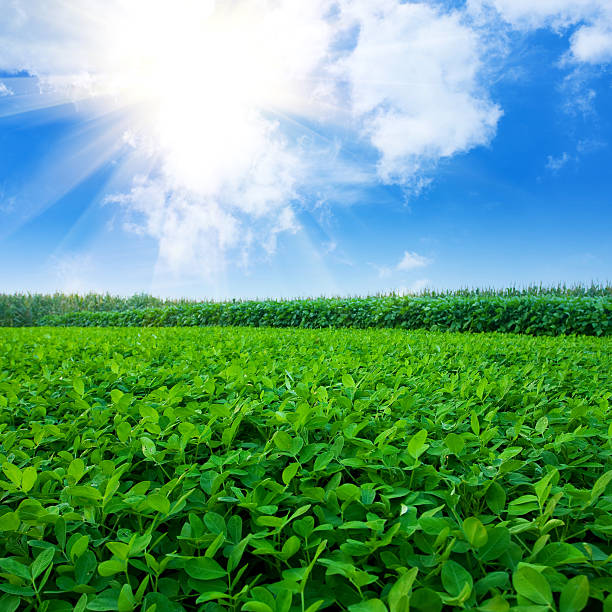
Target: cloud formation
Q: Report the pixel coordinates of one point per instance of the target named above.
(556, 163)
(4, 90)
(591, 40)
(412, 260)
(415, 84)
(213, 86)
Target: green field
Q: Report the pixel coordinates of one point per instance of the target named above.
(536, 310)
(278, 470)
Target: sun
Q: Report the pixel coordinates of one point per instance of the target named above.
(203, 78)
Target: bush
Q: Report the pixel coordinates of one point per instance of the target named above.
(526, 314)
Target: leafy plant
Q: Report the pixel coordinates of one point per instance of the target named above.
(528, 314)
(281, 470)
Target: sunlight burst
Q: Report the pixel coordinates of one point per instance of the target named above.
(201, 75)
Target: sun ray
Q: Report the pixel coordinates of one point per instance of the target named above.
(95, 144)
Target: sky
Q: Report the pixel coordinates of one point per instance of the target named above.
(281, 148)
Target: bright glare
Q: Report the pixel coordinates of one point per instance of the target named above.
(201, 73)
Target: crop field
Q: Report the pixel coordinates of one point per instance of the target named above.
(538, 310)
(282, 470)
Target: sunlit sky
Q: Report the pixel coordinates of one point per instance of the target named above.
(276, 148)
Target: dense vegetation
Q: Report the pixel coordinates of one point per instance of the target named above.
(20, 310)
(529, 314)
(24, 309)
(163, 470)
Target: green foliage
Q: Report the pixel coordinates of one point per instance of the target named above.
(528, 314)
(268, 470)
(483, 311)
(24, 310)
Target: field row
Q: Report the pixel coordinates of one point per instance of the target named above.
(291, 470)
(527, 314)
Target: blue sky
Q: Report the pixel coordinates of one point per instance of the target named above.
(334, 148)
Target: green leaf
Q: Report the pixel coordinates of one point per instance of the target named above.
(495, 498)
(111, 567)
(159, 503)
(257, 606)
(455, 578)
(347, 381)
(236, 554)
(369, 605)
(541, 425)
(214, 522)
(9, 522)
(454, 442)
(559, 553)
(474, 423)
(124, 430)
(290, 547)
(425, 600)
(322, 461)
(60, 532)
(203, 568)
(78, 386)
(401, 590)
(212, 596)
(28, 479)
(475, 532)
(76, 469)
(148, 447)
(348, 491)
(417, 446)
(17, 590)
(42, 562)
(9, 603)
(542, 487)
(498, 541)
(600, 485)
(289, 472)
(282, 440)
(126, 601)
(495, 604)
(12, 566)
(119, 549)
(84, 492)
(105, 601)
(79, 546)
(85, 567)
(529, 583)
(12, 472)
(81, 604)
(215, 545)
(575, 595)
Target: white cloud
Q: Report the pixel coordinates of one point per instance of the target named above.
(412, 260)
(4, 90)
(205, 80)
(414, 82)
(383, 271)
(590, 43)
(593, 44)
(556, 163)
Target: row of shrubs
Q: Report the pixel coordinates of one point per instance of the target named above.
(26, 309)
(527, 314)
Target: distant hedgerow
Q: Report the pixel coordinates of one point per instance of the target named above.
(526, 314)
(27, 309)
